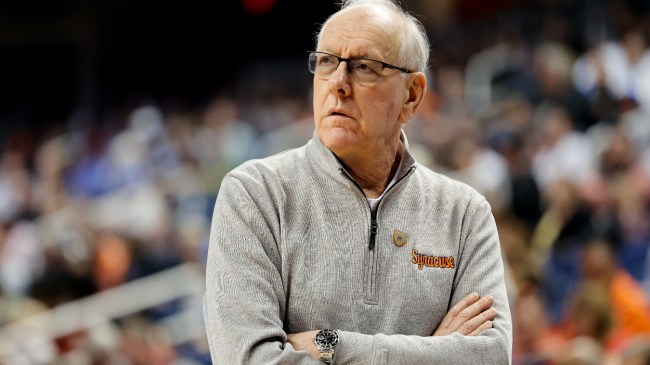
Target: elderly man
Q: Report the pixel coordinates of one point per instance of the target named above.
(345, 250)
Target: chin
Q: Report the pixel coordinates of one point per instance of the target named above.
(338, 139)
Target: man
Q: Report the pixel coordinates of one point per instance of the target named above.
(345, 250)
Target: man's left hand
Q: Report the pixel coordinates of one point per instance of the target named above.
(304, 341)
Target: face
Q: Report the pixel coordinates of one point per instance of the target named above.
(352, 118)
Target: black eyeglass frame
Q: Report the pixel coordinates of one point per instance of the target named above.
(347, 60)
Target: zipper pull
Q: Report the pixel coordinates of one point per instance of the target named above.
(373, 233)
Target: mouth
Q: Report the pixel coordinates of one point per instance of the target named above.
(336, 113)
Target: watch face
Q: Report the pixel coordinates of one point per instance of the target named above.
(326, 339)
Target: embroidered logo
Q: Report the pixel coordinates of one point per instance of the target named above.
(432, 261)
(399, 238)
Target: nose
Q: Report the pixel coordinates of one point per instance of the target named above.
(339, 81)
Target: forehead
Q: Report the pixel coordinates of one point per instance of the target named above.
(362, 31)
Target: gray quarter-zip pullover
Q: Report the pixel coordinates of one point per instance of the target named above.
(294, 247)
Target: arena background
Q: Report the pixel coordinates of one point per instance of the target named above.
(119, 118)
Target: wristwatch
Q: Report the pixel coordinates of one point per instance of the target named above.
(326, 340)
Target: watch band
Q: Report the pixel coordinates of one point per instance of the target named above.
(327, 357)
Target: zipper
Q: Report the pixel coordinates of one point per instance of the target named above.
(373, 230)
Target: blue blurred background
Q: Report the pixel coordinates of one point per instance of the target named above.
(118, 120)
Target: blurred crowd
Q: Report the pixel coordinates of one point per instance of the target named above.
(554, 132)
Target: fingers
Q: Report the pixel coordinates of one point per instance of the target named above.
(483, 327)
(471, 316)
(455, 311)
(479, 323)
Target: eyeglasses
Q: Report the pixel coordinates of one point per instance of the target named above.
(361, 70)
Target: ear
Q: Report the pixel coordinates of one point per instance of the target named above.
(416, 87)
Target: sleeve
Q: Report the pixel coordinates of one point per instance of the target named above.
(480, 269)
(244, 301)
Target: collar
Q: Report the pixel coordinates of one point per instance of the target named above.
(329, 163)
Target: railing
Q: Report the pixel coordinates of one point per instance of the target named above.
(36, 332)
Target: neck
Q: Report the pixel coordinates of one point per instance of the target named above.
(373, 174)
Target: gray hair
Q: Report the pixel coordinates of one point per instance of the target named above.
(414, 45)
